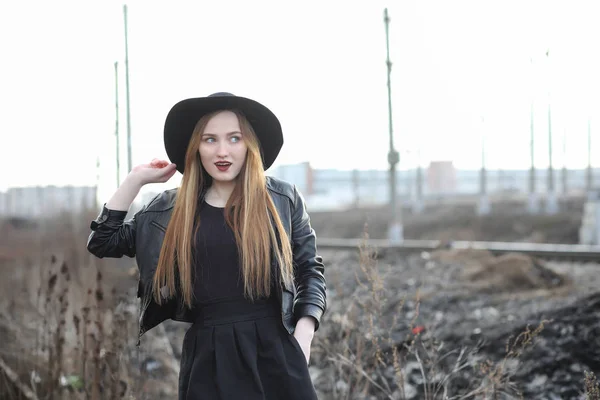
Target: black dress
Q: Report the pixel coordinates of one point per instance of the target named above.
(236, 349)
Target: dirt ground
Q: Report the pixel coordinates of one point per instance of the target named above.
(469, 303)
(396, 327)
(507, 222)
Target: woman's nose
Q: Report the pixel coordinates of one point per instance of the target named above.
(222, 150)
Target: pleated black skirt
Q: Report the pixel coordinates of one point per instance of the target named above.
(240, 350)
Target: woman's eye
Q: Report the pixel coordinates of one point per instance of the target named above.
(210, 140)
(235, 139)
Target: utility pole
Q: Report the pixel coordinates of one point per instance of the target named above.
(531, 152)
(483, 174)
(356, 187)
(550, 168)
(97, 180)
(483, 207)
(129, 163)
(533, 203)
(501, 178)
(589, 175)
(395, 230)
(551, 203)
(418, 205)
(117, 123)
(564, 175)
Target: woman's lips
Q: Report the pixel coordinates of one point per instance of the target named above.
(223, 166)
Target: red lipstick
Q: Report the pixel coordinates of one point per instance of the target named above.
(223, 165)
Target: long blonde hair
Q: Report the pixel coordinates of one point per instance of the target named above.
(249, 212)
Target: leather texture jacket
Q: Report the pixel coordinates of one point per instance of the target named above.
(142, 236)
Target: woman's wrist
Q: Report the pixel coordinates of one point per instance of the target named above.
(127, 192)
(306, 325)
(133, 181)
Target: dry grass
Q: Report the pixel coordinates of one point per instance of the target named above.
(371, 357)
(592, 388)
(66, 334)
(78, 348)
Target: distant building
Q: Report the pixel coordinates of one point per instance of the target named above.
(324, 189)
(31, 202)
(299, 174)
(441, 178)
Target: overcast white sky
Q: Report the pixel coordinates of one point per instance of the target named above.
(319, 65)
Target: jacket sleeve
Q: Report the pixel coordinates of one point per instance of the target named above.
(309, 269)
(111, 235)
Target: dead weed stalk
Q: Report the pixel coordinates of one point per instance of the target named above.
(378, 347)
(74, 357)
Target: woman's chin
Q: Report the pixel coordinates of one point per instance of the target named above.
(223, 177)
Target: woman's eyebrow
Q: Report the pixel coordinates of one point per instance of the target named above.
(228, 134)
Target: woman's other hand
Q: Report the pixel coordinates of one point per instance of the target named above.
(304, 333)
(156, 171)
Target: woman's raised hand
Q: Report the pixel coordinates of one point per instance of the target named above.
(156, 171)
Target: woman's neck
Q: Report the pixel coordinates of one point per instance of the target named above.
(219, 192)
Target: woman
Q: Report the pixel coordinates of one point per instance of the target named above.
(230, 250)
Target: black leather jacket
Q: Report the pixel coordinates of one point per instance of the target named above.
(142, 237)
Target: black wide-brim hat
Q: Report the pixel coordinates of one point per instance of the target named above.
(184, 116)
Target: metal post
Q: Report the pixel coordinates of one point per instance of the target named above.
(532, 153)
(533, 203)
(589, 176)
(483, 207)
(395, 232)
(564, 175)
(117, 123)
(418, 206)
(356, 187)
(551, 203)
(97, 170)
(550, 168)
(129, 162)
(483, 173)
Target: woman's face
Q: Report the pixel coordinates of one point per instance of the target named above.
(222, 147)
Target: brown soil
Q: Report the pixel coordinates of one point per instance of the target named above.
(467, 296)
(507, 222)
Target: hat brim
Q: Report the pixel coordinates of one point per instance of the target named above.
(184, 116)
